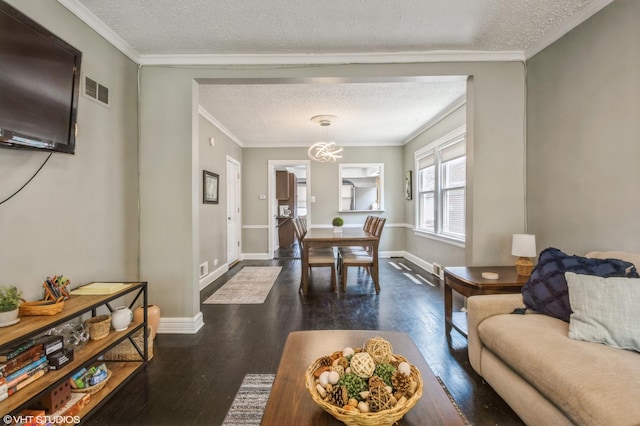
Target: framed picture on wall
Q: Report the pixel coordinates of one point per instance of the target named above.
(407, 185)
(210, 187)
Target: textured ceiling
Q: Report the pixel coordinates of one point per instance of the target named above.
(264, 32)
(330, 26)
(368, 113)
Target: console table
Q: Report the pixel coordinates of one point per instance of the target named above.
(468, 281)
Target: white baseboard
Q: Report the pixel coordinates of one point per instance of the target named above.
(390, 254)
(213, 275)
(418, 261)
(181, 325)
(255, 256)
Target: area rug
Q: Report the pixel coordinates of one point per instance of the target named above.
(453, 401)
(250, 401)
(249, 286)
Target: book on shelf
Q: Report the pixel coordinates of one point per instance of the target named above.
(19, 375)
(10, 353)
(32, 354)
(31, 377)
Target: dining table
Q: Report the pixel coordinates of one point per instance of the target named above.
(346, 237)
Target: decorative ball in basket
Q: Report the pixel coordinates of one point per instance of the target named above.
(369, 386)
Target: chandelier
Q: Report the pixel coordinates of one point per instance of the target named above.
(325, 150)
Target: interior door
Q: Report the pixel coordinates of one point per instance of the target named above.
(233, 211)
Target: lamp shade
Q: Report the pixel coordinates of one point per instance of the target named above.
(524, 245)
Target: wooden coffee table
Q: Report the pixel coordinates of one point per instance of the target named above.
(468, 281)
(290, 404)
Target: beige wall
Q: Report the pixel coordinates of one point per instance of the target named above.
(427, 249)
(213, 217)
(169, 201)
(324, 187)
(102, 231)
(79, 216)
(583, 132)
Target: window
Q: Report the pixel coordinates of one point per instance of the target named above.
(441, 186)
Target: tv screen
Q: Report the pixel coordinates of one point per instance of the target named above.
(39, 85)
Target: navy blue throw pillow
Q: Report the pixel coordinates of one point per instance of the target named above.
(547, 292)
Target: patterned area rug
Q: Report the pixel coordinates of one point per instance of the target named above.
(453, 401)
(249, 286)
(250, 401)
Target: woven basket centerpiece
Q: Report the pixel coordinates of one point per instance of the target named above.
(371, 386)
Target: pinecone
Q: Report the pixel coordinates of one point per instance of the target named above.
(376, 381)
(325, 361)
(339, 396)
(400, 382)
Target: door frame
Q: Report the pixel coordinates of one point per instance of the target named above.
(271, 197)
(238, 214)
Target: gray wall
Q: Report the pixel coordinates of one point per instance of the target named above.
(79, 216)
(583, 132)
(430, 250)
(213, 217)
(324, 186)
(170, 201)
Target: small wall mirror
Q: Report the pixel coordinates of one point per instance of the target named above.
(361, 187)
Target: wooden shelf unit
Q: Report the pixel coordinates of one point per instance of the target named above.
(75, 306)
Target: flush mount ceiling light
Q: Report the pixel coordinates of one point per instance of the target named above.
(325, 150)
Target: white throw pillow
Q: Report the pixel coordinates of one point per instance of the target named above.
(605, 310)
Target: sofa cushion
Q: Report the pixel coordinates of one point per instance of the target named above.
(546, 290)
(605, 310)
(593, 384)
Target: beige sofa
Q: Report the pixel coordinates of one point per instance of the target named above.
(546, 377)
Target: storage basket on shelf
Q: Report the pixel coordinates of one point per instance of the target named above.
(41, 307)
(125, 351)
(99, 326)
(399, 402)
(95, 388)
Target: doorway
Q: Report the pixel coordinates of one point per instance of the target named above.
(282, 242)
(233, 211)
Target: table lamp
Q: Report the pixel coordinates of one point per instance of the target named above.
(524, 246)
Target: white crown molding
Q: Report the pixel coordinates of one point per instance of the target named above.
(569, 24)
(335, 59)
(462, 100)
(211, 119)
(101, 28)
(86, 16)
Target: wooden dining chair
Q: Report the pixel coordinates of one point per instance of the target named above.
(362, 259)
(369, 225)
(318, 257)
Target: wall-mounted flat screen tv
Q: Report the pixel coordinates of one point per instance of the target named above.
(39, 85)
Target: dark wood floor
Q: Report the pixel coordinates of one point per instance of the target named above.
(193, 379)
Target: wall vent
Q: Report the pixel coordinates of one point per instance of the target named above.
(437, 270)
(96, 91)
(204, 269)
